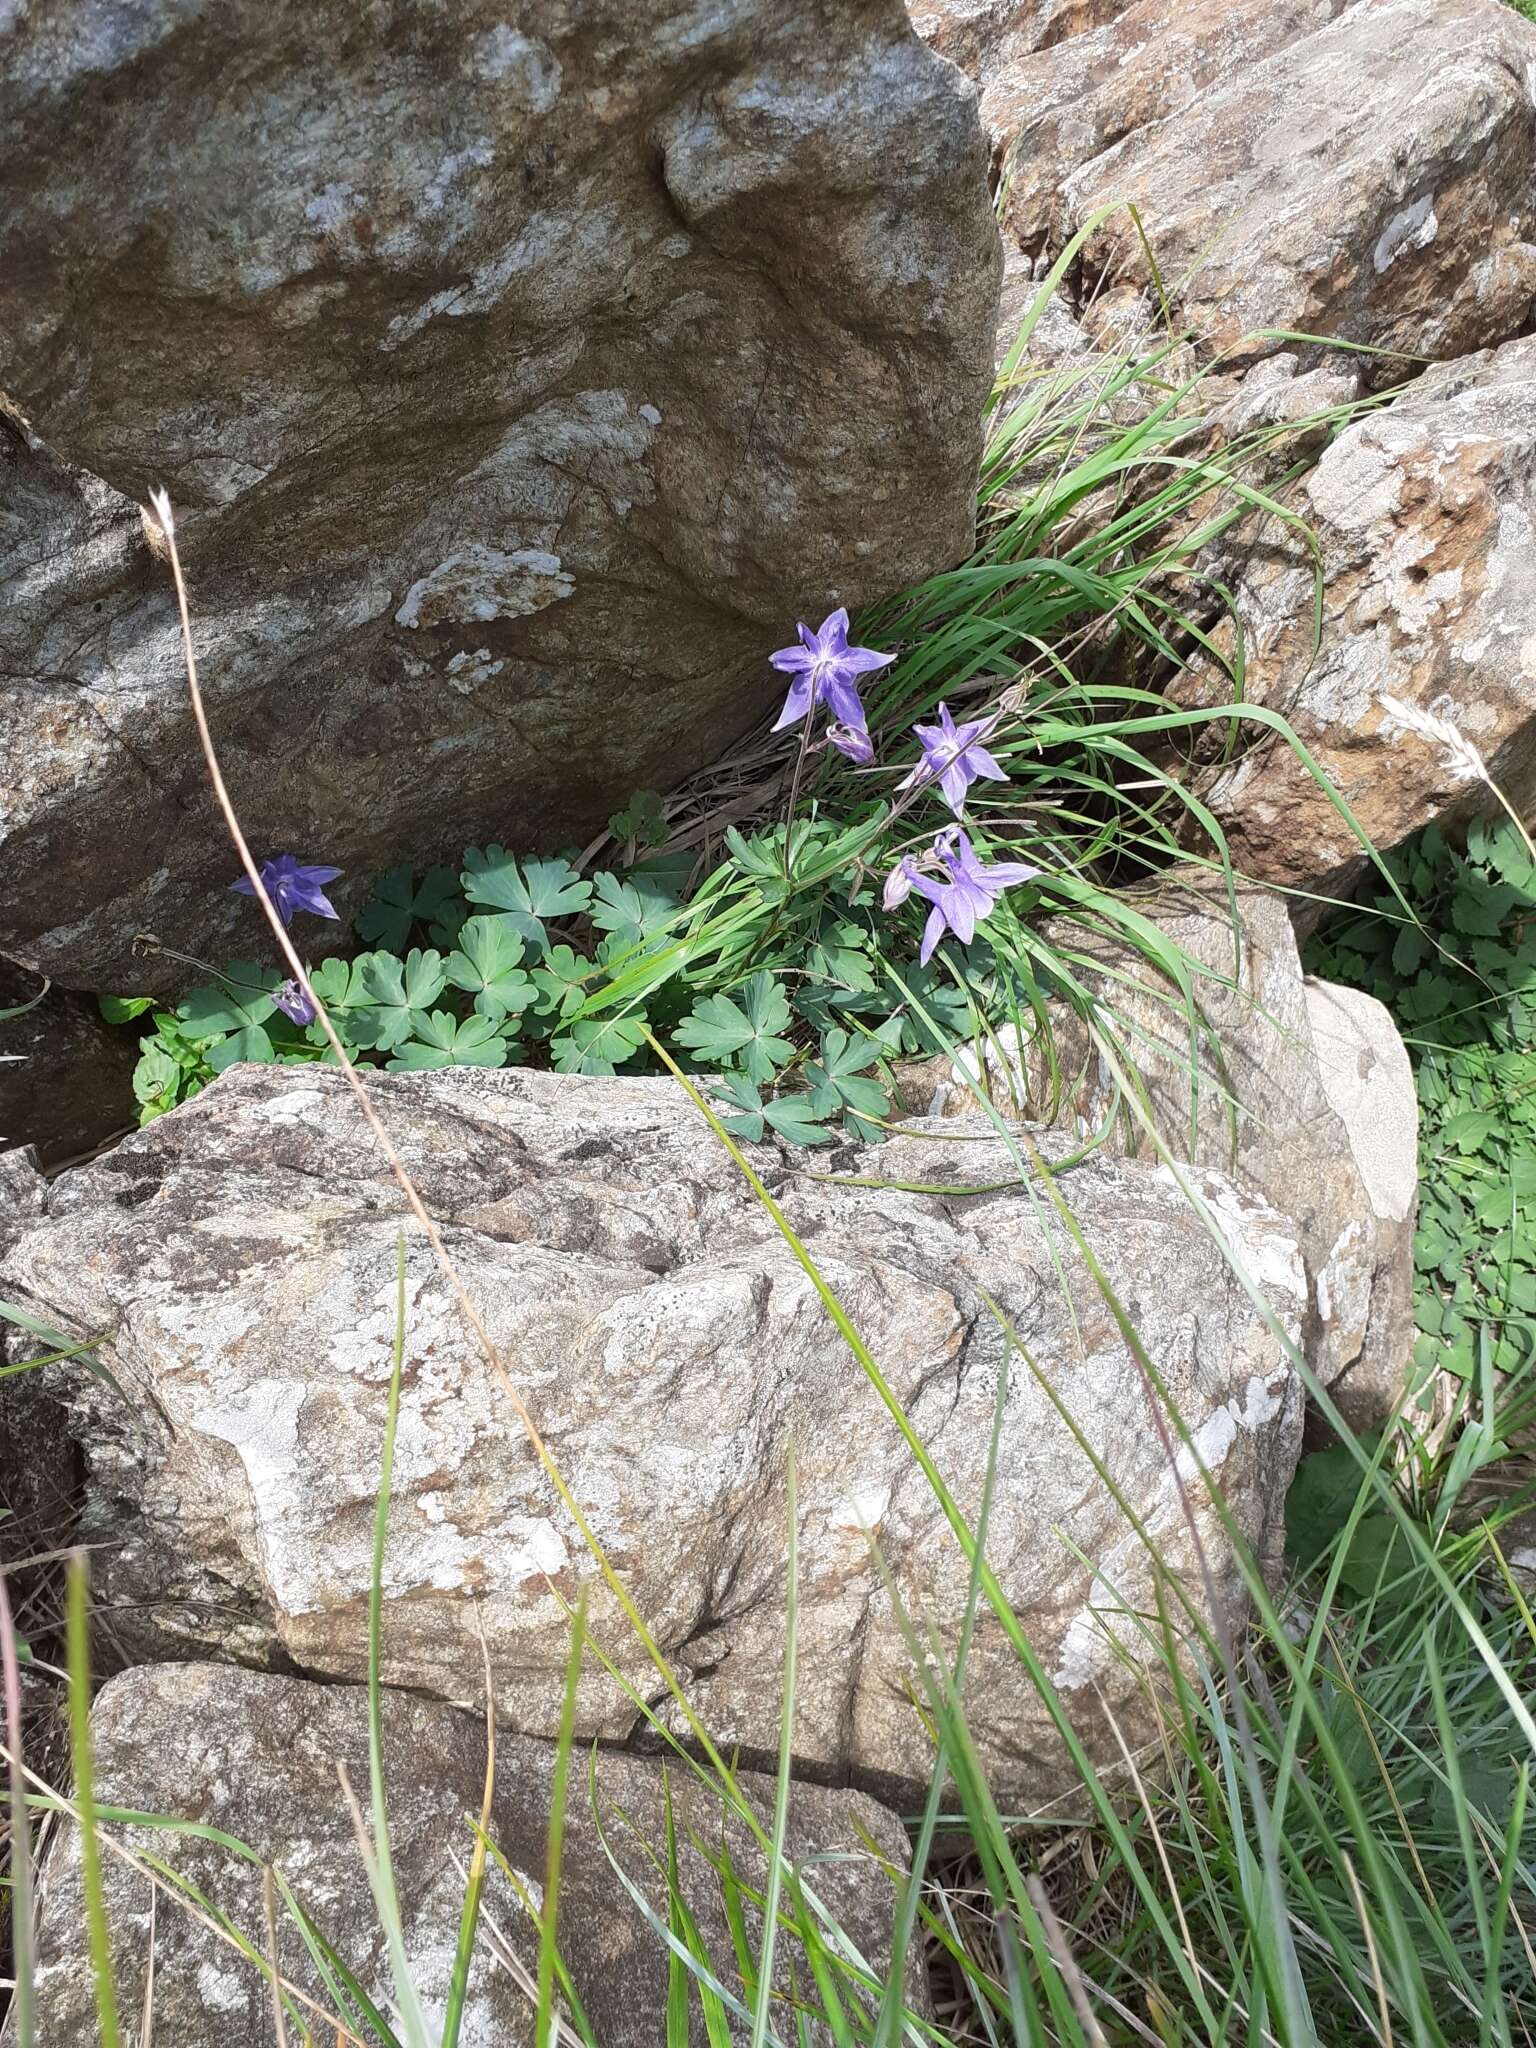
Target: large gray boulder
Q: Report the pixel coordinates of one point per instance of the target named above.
(256, 1758)
(239, 1259)
(518, 375)
(1301, 1090)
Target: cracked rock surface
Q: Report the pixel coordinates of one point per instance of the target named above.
(1350, 168)
(1299, 1089)
(517, 381)
(256, 1757)
(240, 1256)
(1424, 515)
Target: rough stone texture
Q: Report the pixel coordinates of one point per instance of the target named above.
(1360, 170)
(1305, 1096)
(1424, 514)
(66, 1076)
(256, 1758)
(242, 1253)
(516, 383)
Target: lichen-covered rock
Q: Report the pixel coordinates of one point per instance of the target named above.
(1350, 168)
(240, 1257)
(256, 1758)
(1301, 1090)
(518, 376)
(1424, 516)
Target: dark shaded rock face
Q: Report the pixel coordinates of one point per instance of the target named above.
(66, 1076)
(517, 383)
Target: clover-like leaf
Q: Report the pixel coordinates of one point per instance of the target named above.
(792, 1118)
(531, 891)
(252, 1042)
(596, 1045)
(630, 908)
(116, 1009)
(486, 966)
(723, 1033)
(562, 982)
(789, 1116)
(399, 994)
(243, 998)
(399, 901)
(837, 1081)
(643, 820)
(157, 1078)
(443, 1040)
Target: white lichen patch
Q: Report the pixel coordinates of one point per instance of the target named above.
(1210, 1445)
(480, 583)
(221, 1990)
(865, 1508)
(527, 70)
(468, 671)
(1415, 227)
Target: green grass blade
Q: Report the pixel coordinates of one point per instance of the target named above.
(97, 1939)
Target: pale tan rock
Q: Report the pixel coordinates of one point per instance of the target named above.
(517, 382)
(1424, 518)
(1301, 1090)
(241, 1254)
(1355, 170)
(256, 1758)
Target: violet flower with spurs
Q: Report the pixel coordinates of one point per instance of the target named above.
(961, 901)
(952, 758)
(292, 886)
(826, 669)
(292, 1001)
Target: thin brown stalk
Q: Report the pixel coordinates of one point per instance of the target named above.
(1066, 1962)
(58, 1804)
(147, 2018)
(162, 509)
(1370, 1949)
(269, 1910)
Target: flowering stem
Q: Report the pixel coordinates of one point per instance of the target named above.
(794, 789)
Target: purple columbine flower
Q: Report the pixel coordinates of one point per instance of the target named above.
(853, 741)
(900, 882)
(965, 898)
(952, 758)
(292, 886)
(293, 1002)
(825, 667)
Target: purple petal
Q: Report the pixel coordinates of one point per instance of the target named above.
(293, 1002)
(853, 741)
(244, 887)
(832, 633)
(790, 661)
(796, 704)
(843, 701)
(305, 895)
(933, 931)
(955, 782)
(862, 661)
(982, 763)
(899, 883)
(1010, 874)
(961, 911)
